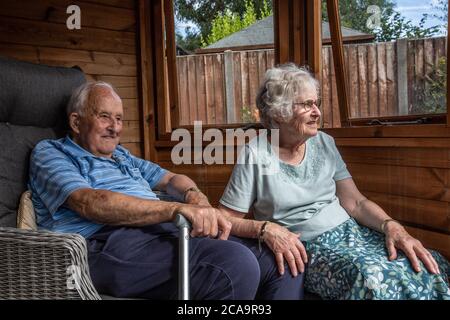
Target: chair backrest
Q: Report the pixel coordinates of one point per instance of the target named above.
(32, 108)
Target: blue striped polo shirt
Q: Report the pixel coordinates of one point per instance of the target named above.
(59, 167)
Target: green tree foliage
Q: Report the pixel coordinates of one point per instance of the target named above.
(398, 27)
(392, 25)
(429, 90)
(442, 7)
(231, 22)
(354, 13)
(189, 41)
(434, 98)
(430, 98)
(202, 13)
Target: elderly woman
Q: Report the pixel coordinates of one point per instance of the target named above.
(355, 250)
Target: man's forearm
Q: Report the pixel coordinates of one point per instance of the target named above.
(178, 184)
(114, 208)
(177, 187)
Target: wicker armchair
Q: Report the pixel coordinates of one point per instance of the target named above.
(49, 265)
(35, 265)
(38, 264)
(44, 265)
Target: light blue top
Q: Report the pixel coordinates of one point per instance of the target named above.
(59, 167)
(300, 197)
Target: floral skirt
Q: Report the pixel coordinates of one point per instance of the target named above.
(351, 262)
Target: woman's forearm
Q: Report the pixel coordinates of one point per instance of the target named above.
(114, 208)
(241, 227)
(369, 214)
(245, 228)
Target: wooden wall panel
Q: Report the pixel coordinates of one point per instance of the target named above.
(218, 175)
(130, 132)
(412, 157)
(409, 180)
(214, 193)
(48, 34)
(424, 183)
(432, 214)
(195, 172)
(104, 48)
(432, 240)
(93, 15)
(129, 4)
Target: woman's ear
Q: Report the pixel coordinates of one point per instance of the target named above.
(74, 122)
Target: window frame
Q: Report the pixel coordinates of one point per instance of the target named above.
(342, 89)
(298, 35)
(302, 44)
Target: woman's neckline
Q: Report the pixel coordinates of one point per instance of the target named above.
(297, 165)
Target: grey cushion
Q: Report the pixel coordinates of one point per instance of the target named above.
(32, 108)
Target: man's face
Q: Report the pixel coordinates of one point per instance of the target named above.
(98, 129)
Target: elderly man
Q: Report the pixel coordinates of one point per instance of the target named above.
(87, 183)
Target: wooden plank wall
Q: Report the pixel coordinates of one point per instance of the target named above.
(104, 47)
(409, 178)
(212, 179)
(201, 82)
(371, 74)
(372, 78)
(250, 68)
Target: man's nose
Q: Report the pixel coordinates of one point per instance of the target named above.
(113, 125)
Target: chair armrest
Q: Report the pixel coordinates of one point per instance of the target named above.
(44, 265)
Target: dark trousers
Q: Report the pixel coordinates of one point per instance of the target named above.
(143, 262)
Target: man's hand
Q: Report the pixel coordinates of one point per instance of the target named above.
(398, 238)
(206, 221)
(196, 197)
(287, 246)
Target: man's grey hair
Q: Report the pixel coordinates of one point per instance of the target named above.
(280, 87)
(80, 96)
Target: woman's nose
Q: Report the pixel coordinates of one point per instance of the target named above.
(315, 111)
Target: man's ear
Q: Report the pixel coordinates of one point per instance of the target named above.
(74, 122)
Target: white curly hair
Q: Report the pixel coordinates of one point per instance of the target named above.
(280, 87)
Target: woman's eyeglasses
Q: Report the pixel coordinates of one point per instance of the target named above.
(308, 104)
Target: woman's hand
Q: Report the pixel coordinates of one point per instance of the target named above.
(287, 246)
(398, 238)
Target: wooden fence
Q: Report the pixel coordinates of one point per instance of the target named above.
(384, 79)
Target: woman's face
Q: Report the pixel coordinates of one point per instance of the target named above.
(306, 114)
